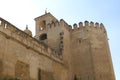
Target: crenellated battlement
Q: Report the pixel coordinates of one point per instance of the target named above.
(57, 23)
(65, 25)
(11, 32)
(52, 25)
(80, 26)
(87, 25)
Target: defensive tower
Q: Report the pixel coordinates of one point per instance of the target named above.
(84, 47)
(91, 59)
(46, 35)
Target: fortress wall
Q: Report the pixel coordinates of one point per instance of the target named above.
(60, 72)
(101, 57)
(10, 31)
(81, 59)
(21, 55)
(2, 51)
(90, 43)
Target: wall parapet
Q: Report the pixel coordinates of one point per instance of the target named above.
(12, 32)
(91, 25)
(65, 25)
(57, 23)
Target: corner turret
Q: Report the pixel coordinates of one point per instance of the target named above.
(48, 30)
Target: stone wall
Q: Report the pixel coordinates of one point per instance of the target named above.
(22, 71)
(1, 68)
(22, 56)
(90, 46)
(84, 49)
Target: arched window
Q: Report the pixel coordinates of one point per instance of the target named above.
(43, 37)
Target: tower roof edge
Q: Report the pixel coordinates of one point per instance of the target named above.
(46, 14)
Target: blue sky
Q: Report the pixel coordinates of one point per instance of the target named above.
(22, 12)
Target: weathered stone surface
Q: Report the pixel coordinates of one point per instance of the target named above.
(57, 52)
(22, 71)
(1, 68)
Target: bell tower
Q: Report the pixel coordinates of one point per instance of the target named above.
(42, 21)
(48, 31)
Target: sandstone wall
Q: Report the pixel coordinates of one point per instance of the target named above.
(24, 57)
(91, 54)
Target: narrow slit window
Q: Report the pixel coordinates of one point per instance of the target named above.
(0, 22)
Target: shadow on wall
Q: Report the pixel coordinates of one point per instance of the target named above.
(9, 79)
